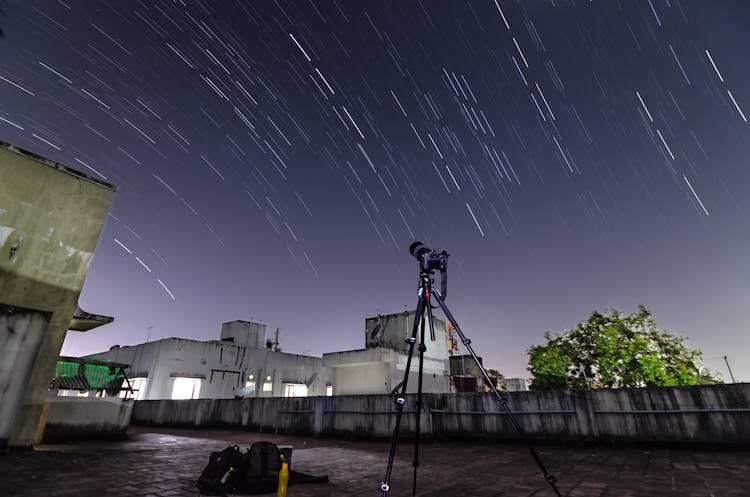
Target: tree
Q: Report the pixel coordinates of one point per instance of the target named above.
(611, 351)
(496, 377)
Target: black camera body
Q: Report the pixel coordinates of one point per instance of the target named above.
(429, 260)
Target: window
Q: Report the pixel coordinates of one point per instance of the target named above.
(139, 388)
(268, 384)
(250, 385)
(295, 390)
(329, 390)
(186, 388)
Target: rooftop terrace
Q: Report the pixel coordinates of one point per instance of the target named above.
(167, 462)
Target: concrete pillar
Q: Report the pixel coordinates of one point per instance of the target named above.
(319, 406)
(21, 334)
(50, 220)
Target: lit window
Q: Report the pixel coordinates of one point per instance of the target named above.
(268, 385)
(295, 390)
(329, 390)
(139, 388)
(186, 388)
(250, 385)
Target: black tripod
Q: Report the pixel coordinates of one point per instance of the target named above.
(429, 262)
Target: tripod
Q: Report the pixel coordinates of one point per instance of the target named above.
(429, 262)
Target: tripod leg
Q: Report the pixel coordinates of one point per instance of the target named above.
(422, 349)
(429, 318)
(401, 399)
(549, 478)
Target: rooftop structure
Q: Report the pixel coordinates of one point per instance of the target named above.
(379, 367)
(237, 365)
(50, 220)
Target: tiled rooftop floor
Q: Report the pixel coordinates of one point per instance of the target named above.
(167, 462)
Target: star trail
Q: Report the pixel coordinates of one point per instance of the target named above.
(275, 159)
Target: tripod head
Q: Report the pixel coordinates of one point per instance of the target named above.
(431, 261)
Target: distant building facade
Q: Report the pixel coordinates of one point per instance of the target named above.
(240, 364)
(379, 367)
(516, 384)
(237, 365)
(466, 376)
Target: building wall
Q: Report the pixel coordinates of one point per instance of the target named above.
(392, 330)
(87, 417)
(50, 220)
(516, 384)
(380, 367)
(244, 333)
(222, 367)
(361, 379)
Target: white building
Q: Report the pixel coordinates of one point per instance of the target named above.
(239, 364)
(379, 367)
(516, 384)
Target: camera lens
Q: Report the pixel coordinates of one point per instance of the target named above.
(418, 250)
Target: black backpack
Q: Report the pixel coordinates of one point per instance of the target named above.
(222, 472)
(253, 472)
(261, 473)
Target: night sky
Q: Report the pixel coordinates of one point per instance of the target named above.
(275, 159)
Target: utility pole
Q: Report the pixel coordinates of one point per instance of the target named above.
(730, 369)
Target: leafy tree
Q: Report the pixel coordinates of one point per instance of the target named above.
(494, 373)
(496, 377)
(611, 350)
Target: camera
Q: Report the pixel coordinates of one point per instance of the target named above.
(429, 260)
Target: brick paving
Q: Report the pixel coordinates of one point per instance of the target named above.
(166, 462)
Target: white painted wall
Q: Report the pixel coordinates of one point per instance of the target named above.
(361, 379)
(223, 367)
(68, 416)
(378, 370)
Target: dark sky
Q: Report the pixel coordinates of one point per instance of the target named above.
(275, 159)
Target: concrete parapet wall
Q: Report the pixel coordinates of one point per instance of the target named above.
(87, 416)
(703, 414)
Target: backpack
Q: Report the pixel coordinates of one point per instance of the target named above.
(255, 471)
(261, 473)
(222, 471)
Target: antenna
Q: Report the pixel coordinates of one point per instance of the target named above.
(143, 348)
(730, 369)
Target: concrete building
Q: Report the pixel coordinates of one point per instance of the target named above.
(516, 384)
(240, 364)
(50, 220)
(237, 365)
(466, 376)
(379, 367)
